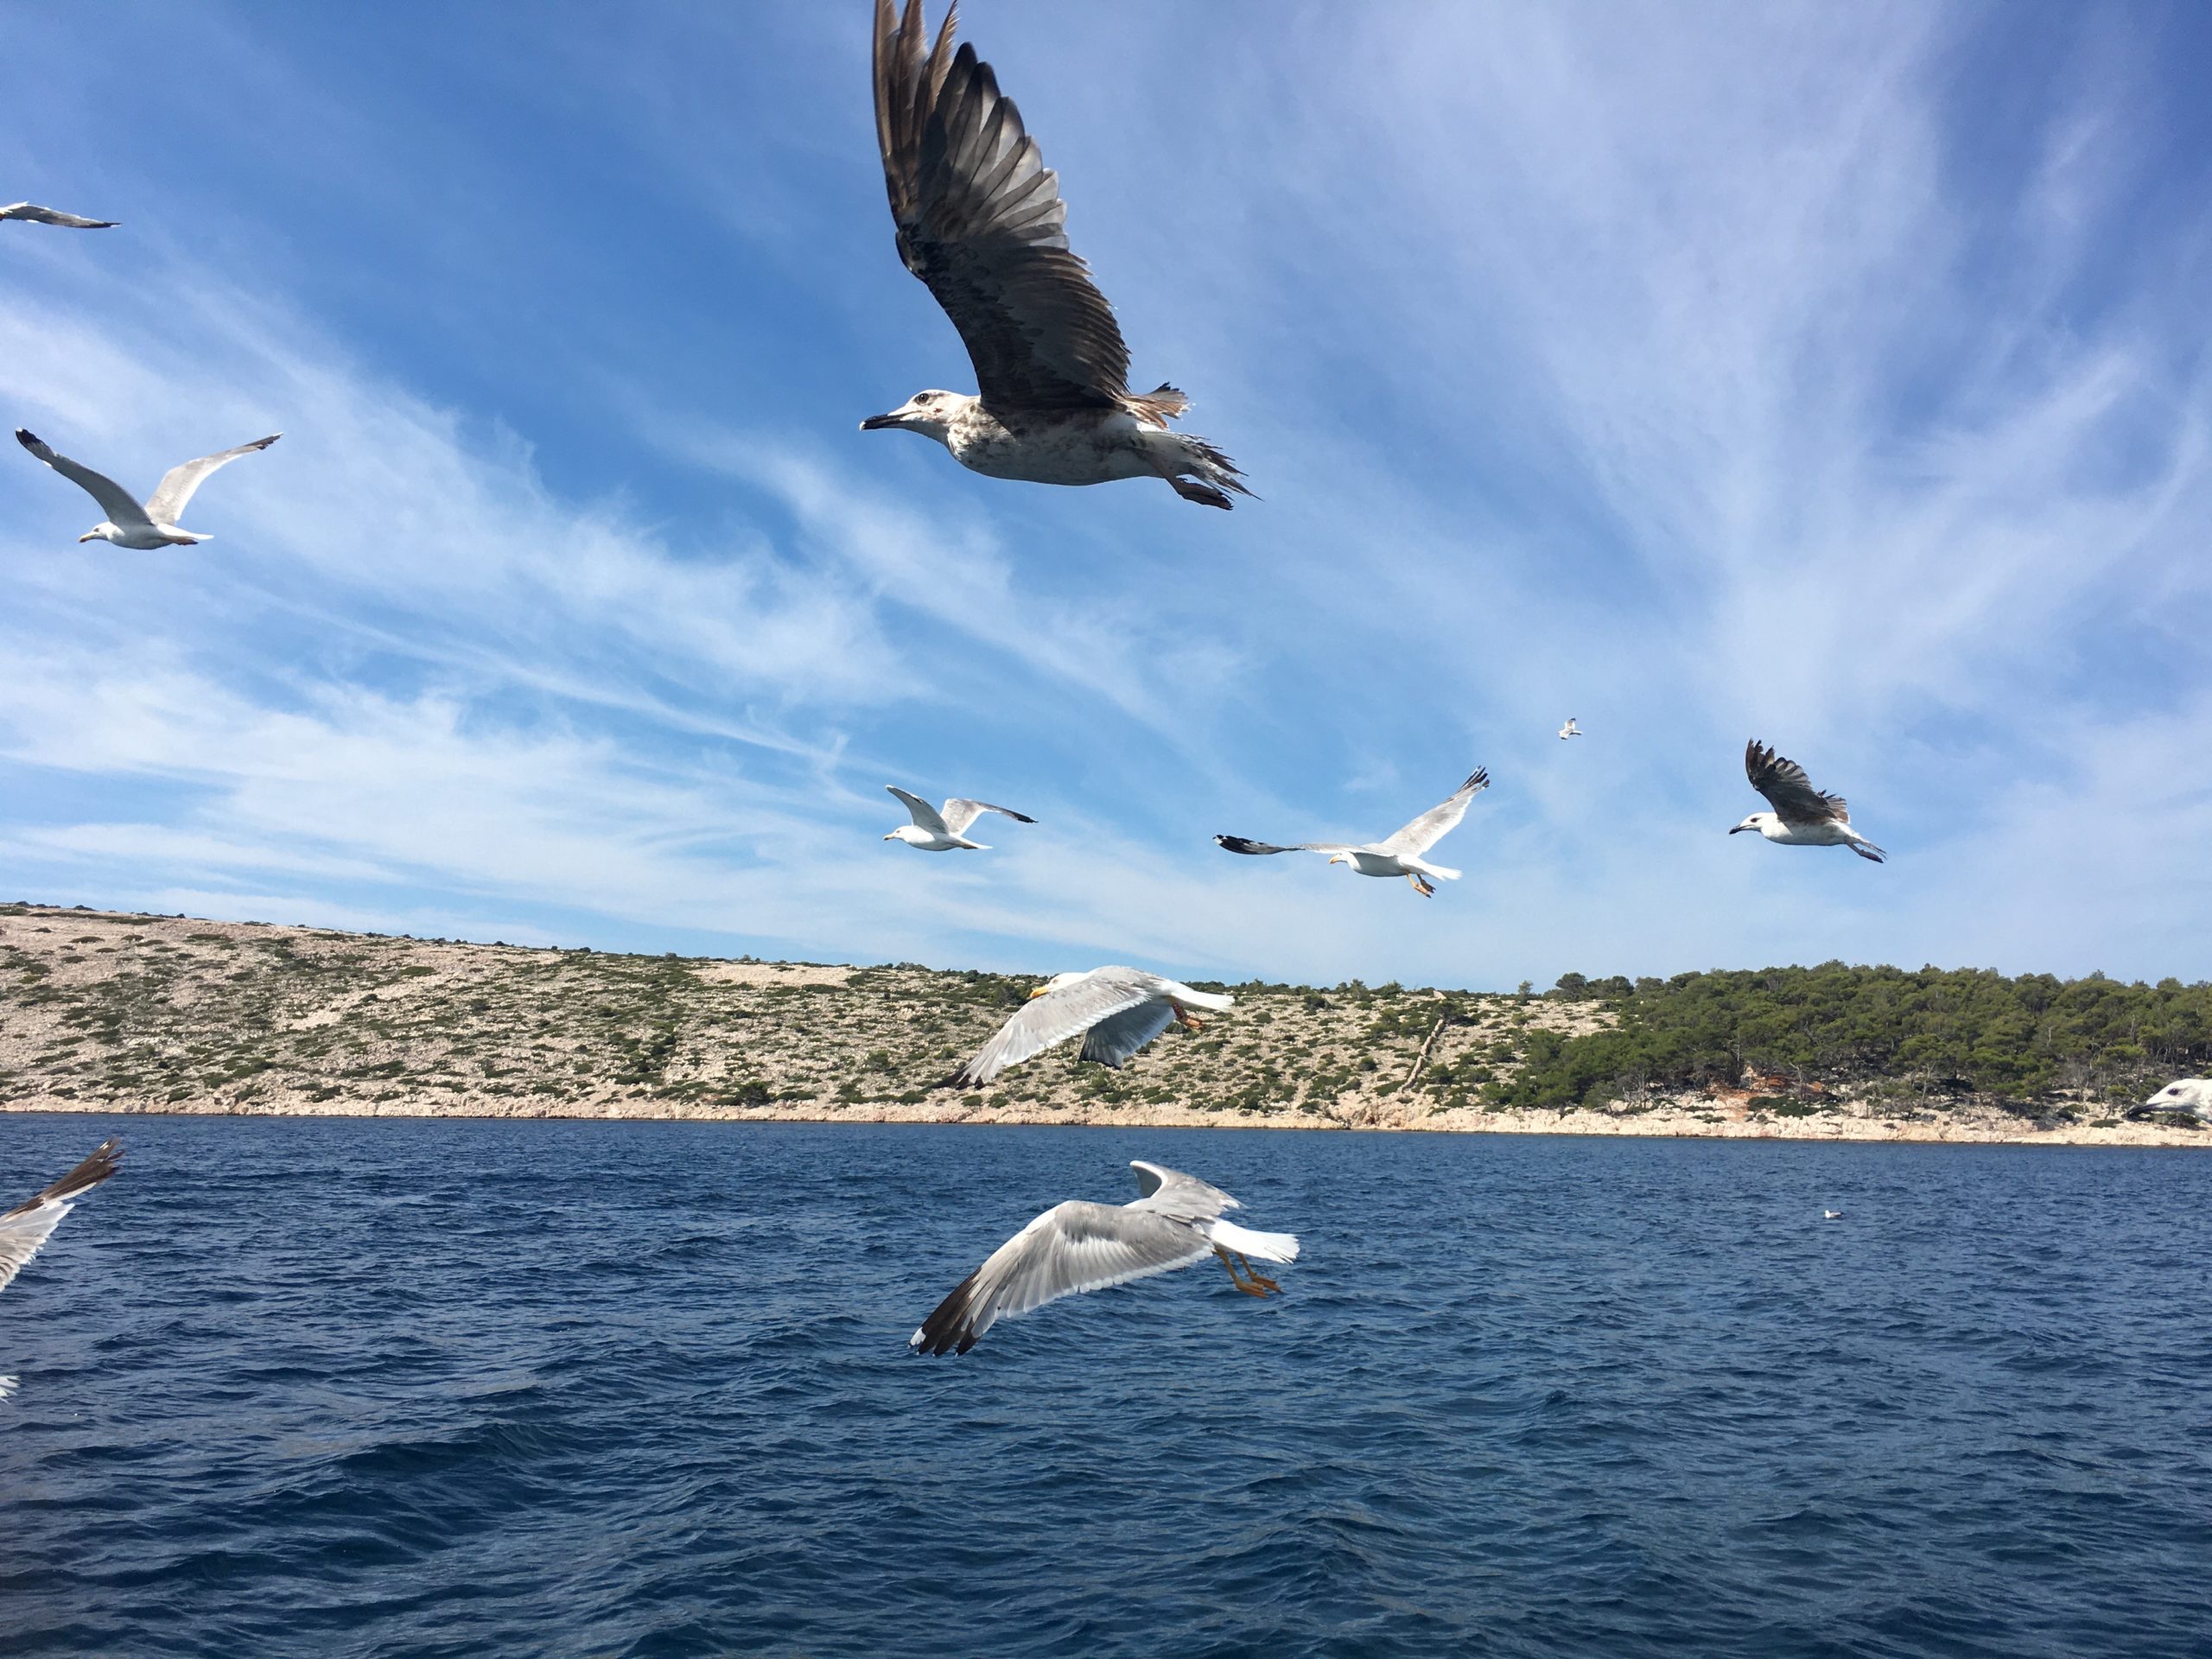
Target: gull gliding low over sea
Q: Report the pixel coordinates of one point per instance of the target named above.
(1120, 1009)
(1076, 1246)
(127, 524)
(1803, 816)
(939, 830)
(1398, 855)
(981, 223)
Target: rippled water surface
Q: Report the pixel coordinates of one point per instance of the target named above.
(349, 1388)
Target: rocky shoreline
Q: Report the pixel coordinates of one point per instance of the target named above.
(110, 1013)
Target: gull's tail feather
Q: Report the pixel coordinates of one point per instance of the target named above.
(1268, 1247)
(1211, 1002)
(1439, 871)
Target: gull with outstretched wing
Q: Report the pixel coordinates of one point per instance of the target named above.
(1116, 1012)
(981, 222)
(31, 213)
(1802, 816)
(1401, 854)
(941, 829)
(1076, 1246)
(128, 524)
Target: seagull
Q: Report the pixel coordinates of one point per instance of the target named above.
(1075, 1247)
(2192, 1096)
(27, 1226)
(1831, 1215)
(939, 830)
(1401, 854)
(1569, 730)
(127, 524)
(1121, 1009)
(30, 213)
(981, 222)
(1803, 816)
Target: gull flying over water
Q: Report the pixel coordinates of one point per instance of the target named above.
(1803, 816)
(31, 1223)
(127, 524)
(1398, 855)
(2192, 1096)
(1569, 730)
(1075, 1247)
(1119, 1010)
(32, 213)
(939, 830)
(981, 222)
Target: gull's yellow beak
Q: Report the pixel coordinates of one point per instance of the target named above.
(1039, 992)
(1338, 858)
(87, 536)
(893, 835)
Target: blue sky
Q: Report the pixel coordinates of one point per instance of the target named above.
(1835, 375)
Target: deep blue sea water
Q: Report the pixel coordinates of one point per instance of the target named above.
(335, 1387)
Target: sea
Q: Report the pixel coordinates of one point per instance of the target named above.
(348, 1387)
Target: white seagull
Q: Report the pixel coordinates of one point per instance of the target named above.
(939, 830)
(1569, 730)
(127, 524)
(1803, 816)
(1831, 1215)
(1399, 854)
(2189, 1096)
(1075, 1247)
(31, 213)
(981, 222)
(1118, 1009)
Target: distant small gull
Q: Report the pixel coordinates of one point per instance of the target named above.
(32, 213)
(1569, 730)
(1118, 1010)
(1076, 1246)
(1831, 1215)
(1803, 816)
(2189, 1096)
(981, 223)
(129, 525)
(1401, 854)
(939, 830)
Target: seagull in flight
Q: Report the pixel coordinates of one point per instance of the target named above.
(31, 213)
(939, 830)
(1075, 1247)
(1397, 854)
(31, 1223)
(2192, 1096)
(981, 222)
(127, 524)
(1803, 816)
(1117, 1011)
(1569, 730)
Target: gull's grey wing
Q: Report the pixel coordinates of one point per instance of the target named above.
(1259, 849)
(122, 508)
(981, 223)
(28, 1225)
(1054, 1017)
(1119, 1038)
(926, 815)
(1171, 1193)
(34, 213)
(1788, 791)
(1440, 820)
(959, 814)
(176, 490)
(1072, 1248)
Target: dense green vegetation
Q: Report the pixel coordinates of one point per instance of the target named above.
(1884, 1031)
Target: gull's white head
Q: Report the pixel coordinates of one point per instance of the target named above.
(103, 531)
(1055, 982)
(1761, 822)
(930, 413)
(2189, 1094)
(909, 833)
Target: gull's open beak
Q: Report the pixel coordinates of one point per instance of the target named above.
(878, 422)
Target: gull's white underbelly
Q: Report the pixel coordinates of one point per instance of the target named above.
(1086, 450)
